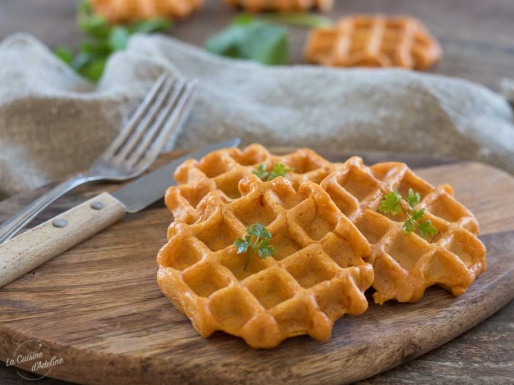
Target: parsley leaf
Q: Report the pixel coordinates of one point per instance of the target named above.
(279, 169)
(257, 239)
(265, 249)
(408, 226)
(427, 228)
(259, 231)
(242, 244)
(413, 199)
(417, 215)
(301, 19)
(251, 39)
(393, 204)
(261, 172)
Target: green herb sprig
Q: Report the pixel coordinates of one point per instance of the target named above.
(251, 39)
(279, 169)
(103, 39)
(261, 38)
(256, 240)
(394, 203)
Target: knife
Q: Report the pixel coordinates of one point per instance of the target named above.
(44, 242)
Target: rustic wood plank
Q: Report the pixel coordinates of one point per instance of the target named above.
(106, 319)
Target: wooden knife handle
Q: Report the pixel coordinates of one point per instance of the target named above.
(40, 244)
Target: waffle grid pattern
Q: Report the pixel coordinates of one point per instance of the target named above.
(332, 243)
(373, 41)
(116, 11)
(222, 170)
(406, 265)
(317, 275)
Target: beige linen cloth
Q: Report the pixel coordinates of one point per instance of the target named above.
(53, 123)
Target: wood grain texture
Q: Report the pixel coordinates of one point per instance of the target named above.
(42, 243)
(98, 306)
(476, 35)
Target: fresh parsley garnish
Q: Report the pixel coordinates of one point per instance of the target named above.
(393, 203)
(256, 239)
(279, 169)
(102, 40)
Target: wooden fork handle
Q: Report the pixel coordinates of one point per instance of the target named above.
(40, 244)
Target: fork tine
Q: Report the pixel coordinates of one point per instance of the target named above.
(158, 123)
(142, 127)
(136, 116)
(170, 127)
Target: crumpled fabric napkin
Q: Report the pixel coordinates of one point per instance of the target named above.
(53, 123)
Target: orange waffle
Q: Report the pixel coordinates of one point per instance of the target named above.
(405, 265)
(118, 11)
(282, 5)
(373, 41)
(222, 170)
(316, 276)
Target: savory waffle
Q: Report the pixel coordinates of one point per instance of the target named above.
(405, 265)
(373, 41)
(317, 275)
(282, 5)
(118, 11)
(222, 170)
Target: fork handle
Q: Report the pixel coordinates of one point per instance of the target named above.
(50, 239)
(13, 225)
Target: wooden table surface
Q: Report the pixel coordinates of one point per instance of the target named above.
(477, 37)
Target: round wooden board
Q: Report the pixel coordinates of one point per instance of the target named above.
(98, 306)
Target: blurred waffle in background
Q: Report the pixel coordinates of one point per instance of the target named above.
(116, 11)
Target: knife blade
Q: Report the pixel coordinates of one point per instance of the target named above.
(150, 188)
(40, 244)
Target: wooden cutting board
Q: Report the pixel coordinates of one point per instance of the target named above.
(98, 306)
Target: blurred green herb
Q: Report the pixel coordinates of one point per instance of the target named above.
(256, 239)
(251, 39)
(259, 38)
(309, 20)
(393, 203)
(102, 39)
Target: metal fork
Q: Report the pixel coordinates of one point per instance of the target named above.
(158, 119)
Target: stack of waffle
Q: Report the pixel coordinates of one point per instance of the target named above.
(332, 243)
